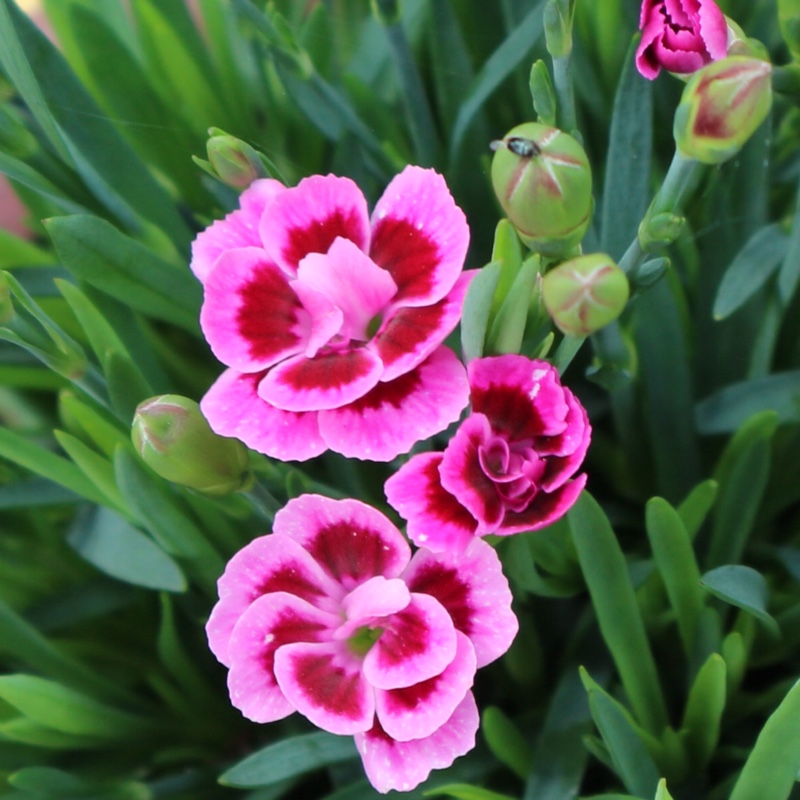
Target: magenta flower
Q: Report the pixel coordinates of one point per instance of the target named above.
(509, 468)
(332, 617)
(332, 322)
(680, 36)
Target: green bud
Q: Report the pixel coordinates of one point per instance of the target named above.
(174, 439)
(721, 107)
(234, 161)
(660, 230)
(542, 178)
(585, 293)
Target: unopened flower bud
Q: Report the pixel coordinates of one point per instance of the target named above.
(542, 178)
(173, 438)
(721, 107)
(234, 161)
(585, 293)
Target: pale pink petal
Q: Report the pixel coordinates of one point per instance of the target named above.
(309, 217)
(237, 229)
(233, 408)
(351, 541)
(417, 643)
(366, 604)
(329, 380)
(351, 281)
(326, 686)
(463, 476)
(326, 320)
(544, 509)
(267, 564)
(436, 520)
(250, 317)
(713, 29)
(421, 709)
(271, 622)
(522, 398)
(473, 589)
(390, 764)
(420, 236)
(409, 335)
(392, 417)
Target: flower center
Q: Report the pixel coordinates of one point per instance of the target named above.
(362, 640)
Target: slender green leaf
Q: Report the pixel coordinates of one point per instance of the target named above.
(17, 252)
(750, 270)
(477, 308)
(494, 71)
(288, 758)
(627, 173)
(703, 715)
(677, 566)
(609, 584)
(463, 791)
(742, 587)
(19, 171)
(772, 767)
(662, 793)
(115, 547)
(695, 507)
(727, 409)
(507, 329)
(506, 741)
(95, 251)
(27, 731)
(100, 429)
(789, 274)
(35, 493)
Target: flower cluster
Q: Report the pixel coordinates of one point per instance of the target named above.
(332, 328)
(331, 616)
(332, 323)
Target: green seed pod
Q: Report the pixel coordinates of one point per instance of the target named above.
(542, 178)
(585, 293)
(721, 107)
(174, 439)
(234, 161)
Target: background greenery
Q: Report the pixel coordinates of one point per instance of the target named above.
(677, 591)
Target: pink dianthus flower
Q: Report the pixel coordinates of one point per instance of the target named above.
(509, 467)
(331, 321)
(331, 616)
(680, 35)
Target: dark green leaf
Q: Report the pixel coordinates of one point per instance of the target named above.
(477, 308)
(703, 716)
(742, 587)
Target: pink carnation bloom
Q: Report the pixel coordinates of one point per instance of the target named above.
(680, 36)
(509, 468)
(331, 616)
(332, 322)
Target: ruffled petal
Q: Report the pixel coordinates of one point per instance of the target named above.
(411, 334)
(417, 643)
(436, 520)
(250, 317)
(267, 564)
(473, 589)
(392, 417)
(566, 452)
(713, 29)
(420, 236)
(522, 398)
(351, 541)
(233, 408)
(544, 509)
(390, 764)
(351, 281)
(326, 686)
(271, 622)
(646, 61)
(375, 598)
(330, 379)
(463, 476)
(237, 229)
(309, 217)
(423, 708)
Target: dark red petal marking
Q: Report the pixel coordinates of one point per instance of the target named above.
(509, 410)
(318, 236)
(410, 697)
(440, 503)
(446, 585)
(289, 578)
(268, 313)
(407, 329)
(407, 635)
(329, 686)
(291, 627)
(392, 393)
(328, 370)
(350, 552)
(408, 254)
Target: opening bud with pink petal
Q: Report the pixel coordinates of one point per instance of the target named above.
(173, 438)
(543, 180)
(233, 161)
(721, 107)
(585, 293)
